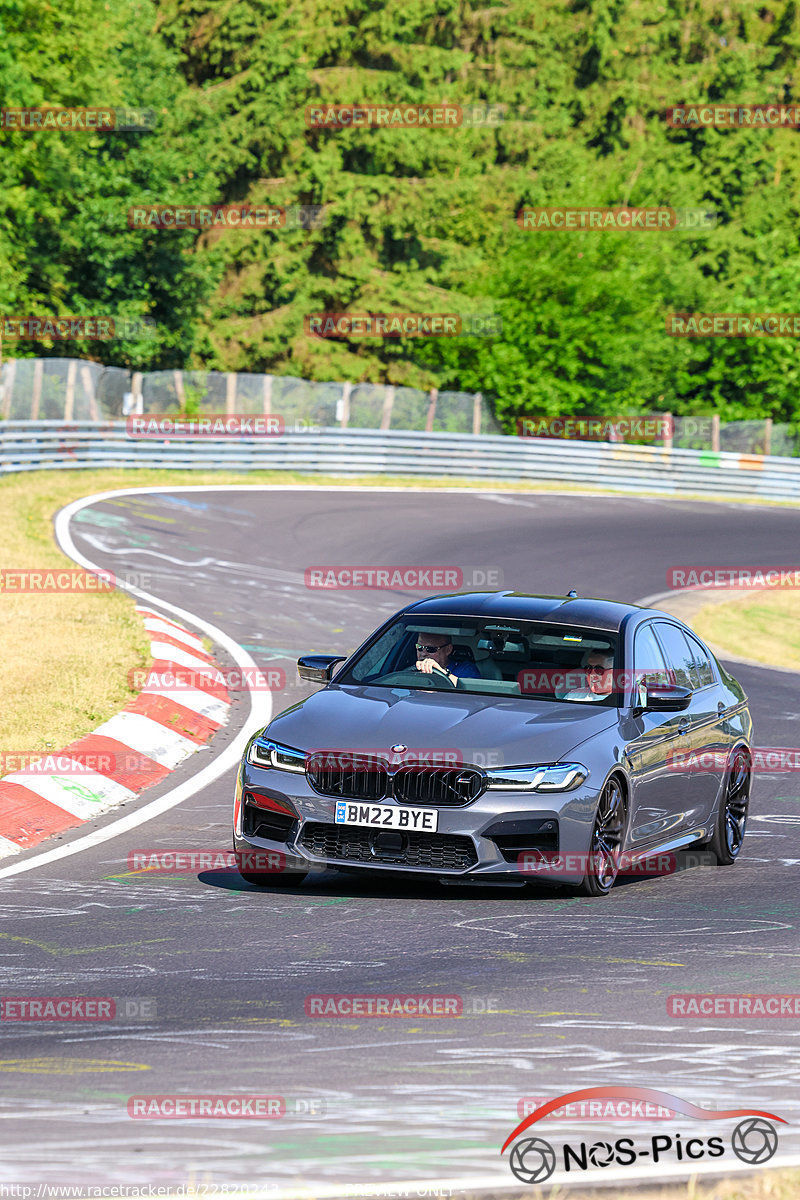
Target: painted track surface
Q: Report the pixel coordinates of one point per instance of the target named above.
(580, 985)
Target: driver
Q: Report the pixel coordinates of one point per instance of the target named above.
(433, 654)
(599, 677)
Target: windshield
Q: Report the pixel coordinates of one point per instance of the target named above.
(486, 656)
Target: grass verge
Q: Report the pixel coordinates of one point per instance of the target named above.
(764, 627)
(763, 1185)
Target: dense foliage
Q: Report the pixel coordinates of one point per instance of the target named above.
(415, 220)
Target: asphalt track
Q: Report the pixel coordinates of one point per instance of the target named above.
(579, 985)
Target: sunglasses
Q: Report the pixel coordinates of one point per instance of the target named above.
(596, 667)
(431, 649)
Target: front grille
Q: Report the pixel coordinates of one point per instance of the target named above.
(435, 851)
(446, 787)
(356, 776)
(361, 777)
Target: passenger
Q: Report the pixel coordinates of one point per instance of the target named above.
(599, 677)
(434, 650)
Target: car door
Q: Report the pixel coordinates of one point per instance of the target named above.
(657, 812)
(706, 746)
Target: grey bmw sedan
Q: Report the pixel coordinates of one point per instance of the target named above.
(498, 737)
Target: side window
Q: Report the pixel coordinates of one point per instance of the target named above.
(679, 657)
(648, 659)
(700, 662)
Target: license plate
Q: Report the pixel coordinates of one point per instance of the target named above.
(387, 816)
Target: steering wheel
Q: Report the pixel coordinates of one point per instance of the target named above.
(410, 675)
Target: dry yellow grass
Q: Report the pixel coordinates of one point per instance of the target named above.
(760, 1185)
(764, 627)
(65, 659)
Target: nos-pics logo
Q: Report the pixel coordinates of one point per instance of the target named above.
(533, 1160)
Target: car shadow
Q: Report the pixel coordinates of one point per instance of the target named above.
(356, 885)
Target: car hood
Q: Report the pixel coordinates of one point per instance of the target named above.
(512, 731)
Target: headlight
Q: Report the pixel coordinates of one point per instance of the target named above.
(558, 777)
(265, 753)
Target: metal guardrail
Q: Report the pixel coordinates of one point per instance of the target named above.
(54, 445)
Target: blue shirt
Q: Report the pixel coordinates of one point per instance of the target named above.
(464, 670)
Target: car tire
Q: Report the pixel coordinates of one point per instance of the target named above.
(608, 837)
(731, 822)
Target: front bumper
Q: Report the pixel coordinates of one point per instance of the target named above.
(501, 834)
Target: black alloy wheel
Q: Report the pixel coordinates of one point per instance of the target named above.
(731, 823)
(607, 838)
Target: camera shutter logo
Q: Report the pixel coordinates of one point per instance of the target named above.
(533, 1160)
(754, 1141)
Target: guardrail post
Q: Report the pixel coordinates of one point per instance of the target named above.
(669, 427)
(431, 410)
(9, 385)
(179, 392)
(69, 402)
(138, 397)
(477, 411)
(715, 432)
(267, 404)
(230, 394)
(86, 380)
(38, 371)
(768, 435)
(343, 406)
(388, 405)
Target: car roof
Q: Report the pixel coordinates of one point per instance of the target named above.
(607, 615)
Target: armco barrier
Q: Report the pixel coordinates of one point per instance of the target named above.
(54, 445)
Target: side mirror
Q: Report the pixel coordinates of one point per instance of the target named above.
(666, 697)
(318, 668)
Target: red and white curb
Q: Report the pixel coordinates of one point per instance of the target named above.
(156, 732)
